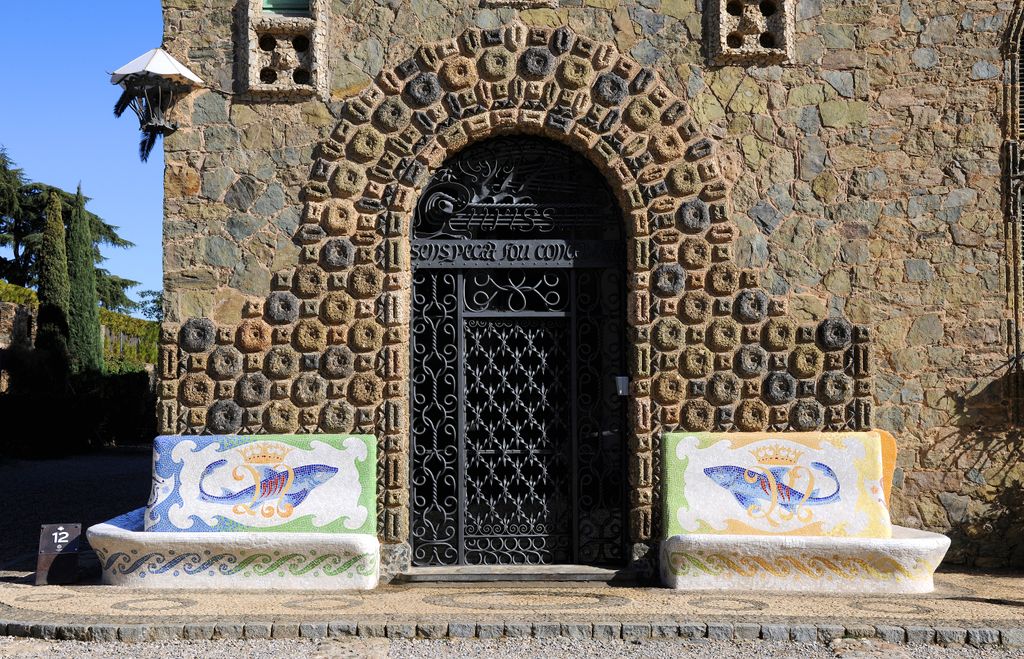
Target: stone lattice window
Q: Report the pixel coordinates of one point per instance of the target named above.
(286, 47)
(750, 31)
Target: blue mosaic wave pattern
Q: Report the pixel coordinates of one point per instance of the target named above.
(244, 565)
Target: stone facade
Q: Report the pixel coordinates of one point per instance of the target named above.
(839, 193)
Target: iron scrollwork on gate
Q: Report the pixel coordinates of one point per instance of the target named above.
(517, 429)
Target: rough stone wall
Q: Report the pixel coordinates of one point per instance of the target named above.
(17, 329)
(864, 181)
(17, 325)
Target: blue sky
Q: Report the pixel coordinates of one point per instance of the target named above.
(57, 121)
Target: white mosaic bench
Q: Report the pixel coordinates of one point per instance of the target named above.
(295, 512)
(800, 512)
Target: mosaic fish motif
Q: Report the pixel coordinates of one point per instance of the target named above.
(762, 490)
(289, 487)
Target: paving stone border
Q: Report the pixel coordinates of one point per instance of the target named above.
(802, 632)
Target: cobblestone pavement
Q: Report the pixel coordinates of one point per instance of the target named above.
(970, 611)
(512, 648)
(976, 610)
(960, 599)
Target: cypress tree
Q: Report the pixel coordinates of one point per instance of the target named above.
(84, 315)
(54, 289)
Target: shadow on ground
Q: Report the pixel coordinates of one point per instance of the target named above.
(87, 489)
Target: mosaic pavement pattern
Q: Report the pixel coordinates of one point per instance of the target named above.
(960, 600)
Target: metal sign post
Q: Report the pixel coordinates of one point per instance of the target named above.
(58, 554)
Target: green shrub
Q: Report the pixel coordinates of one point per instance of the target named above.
(54, 287)
(83, 310)
(133, 358)
(18, 295)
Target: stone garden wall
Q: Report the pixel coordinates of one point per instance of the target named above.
(16, 325)
(861, 158)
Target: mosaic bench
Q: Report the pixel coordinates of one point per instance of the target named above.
(284, 511)
(789, 512)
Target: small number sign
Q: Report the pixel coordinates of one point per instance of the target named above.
(58, 554)
(60, 538)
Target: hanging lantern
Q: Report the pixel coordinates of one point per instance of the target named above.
(152, 84)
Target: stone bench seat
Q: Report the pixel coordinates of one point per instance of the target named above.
(271, 511)
(903, 563)
(792, 512)
(133, 557)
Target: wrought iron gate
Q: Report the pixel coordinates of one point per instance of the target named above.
(517, 425)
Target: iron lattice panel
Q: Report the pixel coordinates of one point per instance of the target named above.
(600, 417)
(435, 479)
(517, 442)
(518, 438)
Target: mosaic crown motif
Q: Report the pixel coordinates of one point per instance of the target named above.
(264, 453)
(777, 454)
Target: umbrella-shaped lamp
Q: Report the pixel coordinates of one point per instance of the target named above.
(152, 84)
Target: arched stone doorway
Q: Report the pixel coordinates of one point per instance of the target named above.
(517, 422)
(327, 351)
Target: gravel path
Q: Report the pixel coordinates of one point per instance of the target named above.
(87, 489)
(512, 649)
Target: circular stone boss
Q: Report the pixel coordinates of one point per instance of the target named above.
(723, 388)
(338, 362)
(698, 415)
(310, 336)
(198, 335)
(610, 90)
(281, 363)
(693, 216)
(835, 334)
(496, 65)
(575, 72)
(751, 361)
(281, 417)
(423, 90)
(253, 335)
(669, 334)
(196, 390)
(751, 416)
(225, 363)
(225, 417)
(281, 308)
(338, 416)
(805, 415)
(309, 389)
(537, 63)
(253, 389)
(391, 115)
